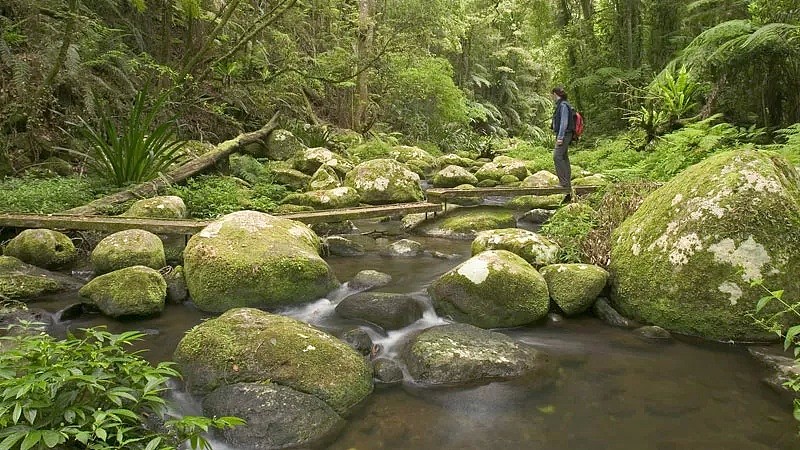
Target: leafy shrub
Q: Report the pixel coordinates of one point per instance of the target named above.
(210, 196)
(791, 149)
(569, 227)
(137, 151)
(88, 392)
(374, 148)
(46, 196)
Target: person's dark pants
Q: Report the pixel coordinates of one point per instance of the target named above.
(561, 160)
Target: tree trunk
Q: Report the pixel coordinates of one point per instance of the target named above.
(365, 39)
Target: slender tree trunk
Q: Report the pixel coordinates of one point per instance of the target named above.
(66, 41)
(366, 37)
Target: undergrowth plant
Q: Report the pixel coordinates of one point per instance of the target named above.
(569, 227)
(210, 196)
(88, 392)
(137, 150)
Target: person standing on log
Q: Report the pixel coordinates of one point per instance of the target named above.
(564, 127)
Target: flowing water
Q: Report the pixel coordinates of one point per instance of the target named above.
(613, 390)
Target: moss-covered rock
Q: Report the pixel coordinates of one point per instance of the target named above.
(250, 258)
(388, 311)
(275, 416)
(323, 179)
(310, 160)
(542, 178)
(282, 145)
(163, 207)
(452, 176)
(287, 208)
(42, 248)
(528, 202)
(591, 180)
(493, 289)
(330, 228)
(463, 354)
(509, 180)
(292, 178)
(574, 287)
(132, 291)
(496, 171)
(414, 156)
(451, 159)
(488, 183)
(249, 345)
(686, 259)
(341, 197)
(465, 223)
(127, 249)
(20, 281)
(532, 247)
(382, 181)
(368, 279)
(177, 292)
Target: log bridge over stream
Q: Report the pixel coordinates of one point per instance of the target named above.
(437, 202)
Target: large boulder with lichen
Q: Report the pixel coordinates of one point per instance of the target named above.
(496, 171)
(382, 181)
(340, 197)
(310, 160)
(463, 354)
(452, 176)
(686, 259)
(465, 223)
(42, 248)
(493, 289)
(162, 207)
(281, 145)
(324, 178)
(574, 287)
(451, 159)
(20, 281)
(127, 249)
(414, 156)
(536, 249)
(252, 346)
(275, 416)
(249, 258)
(542, 178)
(292, 178)
(132, 291)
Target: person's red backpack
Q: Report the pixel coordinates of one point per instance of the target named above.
(578, 125)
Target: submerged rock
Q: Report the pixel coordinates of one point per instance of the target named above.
(276, 416)
(403, 248)
(43, 248)
(250, 258)
(465, 223)
(132, 291)
(127, 249)
(533, 247)
(368, 279)
(493, 289)
(249, 345)
(341, 246)
(177, 292)
(20, 281)
(329, 228)
(452, 176)
(605, 312)
(574, 287)
(382, 181)
(783, 369)
(653, 332)
(537, 216)
(341, 197)
(359, 340)
(164, 207)
(463, 354)
(686, 258)
(388, 311)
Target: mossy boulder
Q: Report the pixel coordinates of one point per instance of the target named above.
(574, 287)
(42, 248)
(323, 179)
(528, 202)
(493, 289)
(685, 260)
(542, 178)
(534, 248)
(452, 176)
(20, 281)
(465, 223)
(282, 145)
(591, 180)
(451, 159)
(341, 197)
(249, 345)
(382, 181)
(249, 258)
(387, 310)
(177, 292)
(310, 160)
(488, 183)
(163, 207)
(368, 279)
(509, 180)
(276, 416)
(415, 156)
(132, 291)
(292, 178)
(496, 171)
(287, 208)
(127, 249)
(463, 354)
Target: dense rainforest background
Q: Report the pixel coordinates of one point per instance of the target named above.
(447, 75)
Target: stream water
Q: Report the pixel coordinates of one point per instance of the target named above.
(613, 391)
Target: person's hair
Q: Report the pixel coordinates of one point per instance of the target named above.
(559, 91)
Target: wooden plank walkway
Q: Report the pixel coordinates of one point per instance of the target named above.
(188, 227)
(438, 195)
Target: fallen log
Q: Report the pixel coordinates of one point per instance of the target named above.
(179, 174)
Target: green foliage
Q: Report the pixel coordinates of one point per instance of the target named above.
(569, 227)
(88, 392)
(210, 196)
(791, 148)
(378, 146)
(47, 195)
(140, 150)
